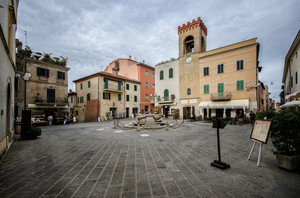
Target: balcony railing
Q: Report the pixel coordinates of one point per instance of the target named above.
(50, 101)
(221, 96)
(112, 87)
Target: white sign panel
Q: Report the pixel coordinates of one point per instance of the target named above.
(193, 101)
(184, 101)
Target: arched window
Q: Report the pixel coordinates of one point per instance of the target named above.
(166, 95)
(189, 44)
(189, 91)
(161, 75)
(170, 73)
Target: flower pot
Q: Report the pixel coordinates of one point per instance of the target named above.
(288, 162)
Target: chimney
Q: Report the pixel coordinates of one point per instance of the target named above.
(130, 57)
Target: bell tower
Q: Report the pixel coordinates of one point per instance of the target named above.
(192, 42)
(192, 37)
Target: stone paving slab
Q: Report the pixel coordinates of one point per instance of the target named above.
(95, 160)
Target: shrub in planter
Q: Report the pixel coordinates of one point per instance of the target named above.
(33, 132)
(285, 136)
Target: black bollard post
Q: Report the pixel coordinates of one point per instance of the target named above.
(218, 163)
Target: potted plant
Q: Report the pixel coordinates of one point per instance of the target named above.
(158, 98)
(63, 60)
(33, 132)
(27, 51)
(173, 96)
(47, 57)
(285, 136)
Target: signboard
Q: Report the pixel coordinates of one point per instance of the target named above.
(260, 131)
(193, 101)
(184, 101)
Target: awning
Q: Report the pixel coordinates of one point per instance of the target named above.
(290, 104)
(161, 104)
(232, 104)
(34, 106)
(293, 95)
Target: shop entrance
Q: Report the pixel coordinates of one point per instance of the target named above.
(166, 110)
(135, 111)
(188, 112)
(219, 113)
(113, 112)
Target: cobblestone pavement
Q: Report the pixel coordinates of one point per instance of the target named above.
(94, 160)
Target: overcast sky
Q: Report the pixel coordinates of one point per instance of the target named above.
(92, 33)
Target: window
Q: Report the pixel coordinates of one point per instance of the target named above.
(89, 84)
(80, 85)
(206, 89)
(88, 96)
(77, 99)
(153, 86)
(50, 95)
(206, 71)
(60, 75)
(240, 85)
(147, 97)
(81, 99)
(240, 65)
(146, 73)
(146, 84)
(220, 68)
(127, 98)
(127, 86)
(189, 92)
(292, 83)
(220, 90)
(119, 86)
(42, 72)
(106, 96)
(105, 84)
(153, 75)
(71, 99)
(135, 98)
(166, 95)
(296, 77)
(135, 88)
(119, 97)
(161, 75)
(170, 73)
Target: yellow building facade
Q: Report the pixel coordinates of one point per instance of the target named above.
(102, 95)
(219, 82)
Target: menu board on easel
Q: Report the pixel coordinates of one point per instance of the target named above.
(260, 131)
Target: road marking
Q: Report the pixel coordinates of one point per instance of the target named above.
(144, 135)
(118, 131)
(100, 129)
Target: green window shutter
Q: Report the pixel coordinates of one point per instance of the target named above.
(119, 97)
(127, 98)
(146, 84)
(240, 85)
(153, 86)
(153, 75)
(38, 71)
(146, 73)
(105, 84)
(103, 95)
(161, 75)
(71, 99)
(47, 73)
(127, 86)
(206, 89)
(135, 88)
(80, 85)
(88, 96)
(170, 73)
(108, 96)
(147, 97)
(135, 98)
(77, 99)
(89, 83)
(119, 86)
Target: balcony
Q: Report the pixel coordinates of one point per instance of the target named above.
(113, 87)
(51, 101)
(220, 96)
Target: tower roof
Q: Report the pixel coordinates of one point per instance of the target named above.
(190, 25)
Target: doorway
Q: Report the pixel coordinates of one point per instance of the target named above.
(188, 112)
(219, 113)
(166, 110)
(127, 112)
(113, 112)
(135, 111)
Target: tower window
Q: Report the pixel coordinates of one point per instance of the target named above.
(189, 45)
(189, 91)
(161, 75)
(170, 73)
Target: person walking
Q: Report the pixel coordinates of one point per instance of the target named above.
(241, 118)
(65, 120)
(71, 118)
(50, 118)
(252, 117)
